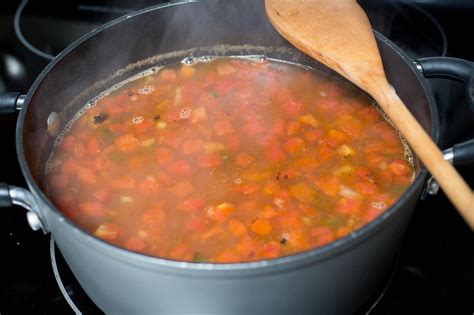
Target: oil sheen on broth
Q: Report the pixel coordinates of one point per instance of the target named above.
(227, 160)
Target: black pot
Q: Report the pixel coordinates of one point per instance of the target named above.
(335, 278)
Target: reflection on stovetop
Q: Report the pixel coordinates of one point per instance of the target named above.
(434, 269)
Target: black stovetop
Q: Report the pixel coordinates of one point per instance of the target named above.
(434, 271)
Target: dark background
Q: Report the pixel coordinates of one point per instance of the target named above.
(435, 269)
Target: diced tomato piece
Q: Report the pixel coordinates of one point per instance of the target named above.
(223, 126)
(244, 160)
(149, 186)
(275, 153)
(192, 146)
(271, 188)
(371, 214)
(369, 114)
(271, 250)
(163, 155)
(328, 185)
(126, 142)
(181, 251)
(351, 125)
(173, 115)
(278, 128)
(374, 147)
(221, 212)
(182, 189)
(86, 175)
(232, 142)
(335, 138)
(102, 163)
(343, 231)
(293, 127)
(136, 162)
(384, 176)
(292, 108)
(154, 216)
(196, 224)
(306, 164)
(102, 195)
(349, 206)
(209, 160)
(313, 136)
(247, 188)
(293, 144)
(192, 204)
(228, 256)
(135, 244)
(363, 173)
(180, 168)
(324, 153)
(252, 128)
(261, 227)
(323, 234)
(237, 228)
(247, 247)
(298, 239)
(400, 167)
(366, 188)
(123, 183)
(269, 212)
(164, 178)
(303, 192)
(108, 231)
(92, 209)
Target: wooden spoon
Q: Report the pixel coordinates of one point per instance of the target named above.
(338, 34)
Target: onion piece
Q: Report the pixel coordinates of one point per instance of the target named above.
(348, 192)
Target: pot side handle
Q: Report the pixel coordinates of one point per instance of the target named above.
(13, 195)
(450, 68)
(10, 102)
(461, 153)
(463, 71)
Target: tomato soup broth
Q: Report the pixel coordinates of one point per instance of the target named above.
(228, 160)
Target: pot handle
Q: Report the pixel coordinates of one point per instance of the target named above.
(450, 68)
(461, 153)
(11, 102)
(13, 195)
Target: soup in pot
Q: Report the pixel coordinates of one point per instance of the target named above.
(227, 160)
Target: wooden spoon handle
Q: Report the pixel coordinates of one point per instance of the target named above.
(448, 178)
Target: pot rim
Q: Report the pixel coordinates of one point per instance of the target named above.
(316, 254)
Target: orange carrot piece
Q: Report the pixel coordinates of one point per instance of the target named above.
(261, 227)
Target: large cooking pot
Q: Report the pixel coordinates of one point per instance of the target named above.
(335, 278)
